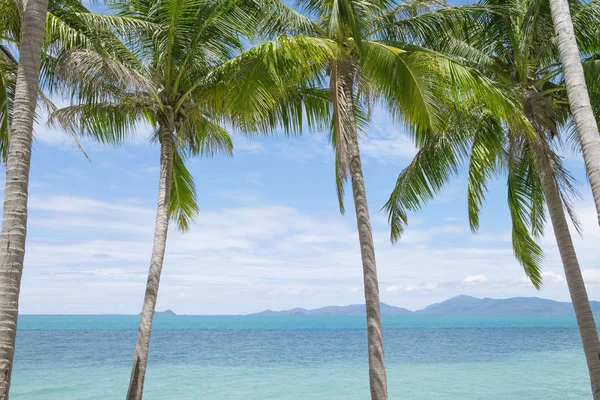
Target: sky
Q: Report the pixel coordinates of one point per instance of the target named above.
(269, 234)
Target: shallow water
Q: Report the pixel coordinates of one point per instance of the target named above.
(247, 357)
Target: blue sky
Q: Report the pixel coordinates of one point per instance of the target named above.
(269, 234)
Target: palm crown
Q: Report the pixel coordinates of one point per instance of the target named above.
(384, 56)
(177, 72)
(515, 51)
(69, 26)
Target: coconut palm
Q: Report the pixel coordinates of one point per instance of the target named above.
(185, 78)
(14, 219)
(581, 107)
(527, 64)
(40, 32)
(382, 59)
(69, 24)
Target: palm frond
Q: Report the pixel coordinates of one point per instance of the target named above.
(402, 80)
(270, 80)
(279, 19)
(92, 77)
(485, 162)
(6, 100)
(427, 174)
(184, 206)
(199, 135)
(520, 204)
(343, 125)
(109, 122)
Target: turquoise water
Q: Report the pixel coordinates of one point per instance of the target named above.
(246, 357)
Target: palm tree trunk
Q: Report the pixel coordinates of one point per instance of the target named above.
(140, 361)
(14, 219)
(579, 297)
(577, 92)
(377, 372)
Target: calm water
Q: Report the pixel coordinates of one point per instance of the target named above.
(217, 358)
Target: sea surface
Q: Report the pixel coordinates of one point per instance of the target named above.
(83, 357)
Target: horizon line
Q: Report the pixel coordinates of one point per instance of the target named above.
(308, 309)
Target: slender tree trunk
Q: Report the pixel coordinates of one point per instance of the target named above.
(377, 372)
(579, 98)
(140, 361)
(14, 219)
(579, 297)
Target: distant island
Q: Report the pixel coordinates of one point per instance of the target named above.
(166, 312)
(354, 309)
(456, 306)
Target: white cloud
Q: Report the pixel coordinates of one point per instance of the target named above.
(473, 279)
(591, 275)
(393, 289)
(246, 146)
(421, 287)
(551, 277)
(53, 136)
(230, 252)
(386, 141)
(83, 205)
(249, 251)
(258, 256)
(490, 238)
(391, 147)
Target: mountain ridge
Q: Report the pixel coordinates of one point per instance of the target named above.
(350, 310)
(462, 305)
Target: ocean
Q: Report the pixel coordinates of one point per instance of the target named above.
(65, 357)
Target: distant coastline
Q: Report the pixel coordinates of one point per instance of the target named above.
(456, 306)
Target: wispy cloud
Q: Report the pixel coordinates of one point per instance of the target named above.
(276, 255)
(387, 142)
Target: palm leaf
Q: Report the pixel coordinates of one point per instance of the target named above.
(184, 206)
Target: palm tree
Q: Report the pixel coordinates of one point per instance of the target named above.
(68, 25)
(527, 64)
(381, 59)
(184, 74)
(41, 31)
(14, 219)
(581, 108)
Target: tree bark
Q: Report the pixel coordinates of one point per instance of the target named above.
(577, 92)
(140, 361)
(579, 297)
(14, 219)
(377, 371)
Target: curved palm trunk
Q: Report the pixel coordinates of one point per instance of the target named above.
(14, 219)
(579, 98)
(140, 361)
(581, 304)
(377, 372)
